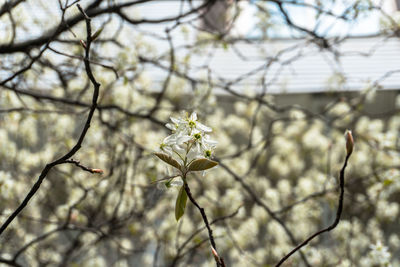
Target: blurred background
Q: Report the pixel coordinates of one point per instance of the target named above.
(278, 81)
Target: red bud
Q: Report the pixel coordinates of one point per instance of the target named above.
(83, 43)
(99, 171)
(349, 142)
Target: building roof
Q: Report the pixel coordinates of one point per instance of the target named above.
(355, 64)
(302, 66)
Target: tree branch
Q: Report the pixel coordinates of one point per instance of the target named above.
(333, 225)
(78, 144)
(219, 260)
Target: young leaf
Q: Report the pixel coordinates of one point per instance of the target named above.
(202, 164)
(180, 203)
(96, 34)
(168, 159)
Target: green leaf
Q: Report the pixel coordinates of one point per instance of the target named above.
(168, 184)
(180, 203)
(168, 159)
(202, 164)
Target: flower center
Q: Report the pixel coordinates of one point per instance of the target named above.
(192, 124)
(162, 146)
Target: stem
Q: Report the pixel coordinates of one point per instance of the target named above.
(179, 155)
(333, 225)
(188, 147)
(220, 261)
(78, 144)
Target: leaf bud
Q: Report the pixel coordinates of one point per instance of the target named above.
(99, 171)
(349, 142)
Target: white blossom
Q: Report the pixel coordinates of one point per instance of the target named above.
(189, 139)
(380, 254)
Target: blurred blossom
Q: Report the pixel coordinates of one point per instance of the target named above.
(297, 114)
(296, 157)
(340, 109)
(387, 211)
(313, 139)
(380, 254)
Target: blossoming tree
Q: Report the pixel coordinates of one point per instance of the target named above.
(90, 90)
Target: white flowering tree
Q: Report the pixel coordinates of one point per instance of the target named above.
(103, 136)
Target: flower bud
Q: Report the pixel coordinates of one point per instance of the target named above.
(349, 142)
(215, 253)
(83, 43)
(99, 171)
(96, 34)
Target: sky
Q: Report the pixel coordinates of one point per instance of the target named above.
(305, 17)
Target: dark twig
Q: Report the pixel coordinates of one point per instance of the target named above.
(9, 262)
(91, 61)
(186, 242)
(219, 260)
(333, 225)
(78, 144)
(94, 10)
(8, 6)
(78, 164)
(259, 202)
(67, 101)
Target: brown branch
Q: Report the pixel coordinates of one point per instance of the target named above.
(87, 169)
(199, 230)
(9, 262)
(206, 5)
(27, 67)
(220, 261)
(93, 10)
(78, 144)
(68, 101)
(91, 61)
(319, 40)
(9, 5)
(265, 207)
(170, 72)
(333, 225)
(303, 200)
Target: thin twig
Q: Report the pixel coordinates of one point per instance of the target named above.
(333, 225)
(78, 144)
(78, 164)
(220, 262)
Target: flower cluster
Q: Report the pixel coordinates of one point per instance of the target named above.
(189, 139)
(380, 254)
(187, 149)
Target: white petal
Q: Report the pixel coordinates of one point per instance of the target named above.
(168, 150)
(176, 121)
(203, 127)
(169, 140)
(179, 149)
(193, 117)
(182, 139)
(170, 126)
(176, 183)
(210, 142)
